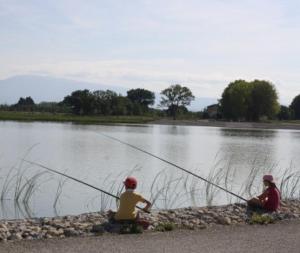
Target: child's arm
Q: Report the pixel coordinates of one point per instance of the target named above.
(263, 196)
(148, 205)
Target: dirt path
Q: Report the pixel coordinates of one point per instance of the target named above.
(281, 237)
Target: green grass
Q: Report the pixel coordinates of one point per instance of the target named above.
(262, 219)
(163, 227)
(60, 117)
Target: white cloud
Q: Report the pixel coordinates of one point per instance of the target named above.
(151, 43)
(156, 75)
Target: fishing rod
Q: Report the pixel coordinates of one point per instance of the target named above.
(173, 164)
(78, 180)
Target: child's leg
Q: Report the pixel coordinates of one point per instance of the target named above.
(137, 217)
(255, 205)
(144, 223)
(111, 215)
(255, 202)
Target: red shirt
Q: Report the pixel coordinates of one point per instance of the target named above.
(272, 200)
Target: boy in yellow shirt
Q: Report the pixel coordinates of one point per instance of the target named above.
(128, 201)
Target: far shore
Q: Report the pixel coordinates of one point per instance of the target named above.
(151, 120)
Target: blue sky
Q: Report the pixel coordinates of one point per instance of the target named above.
(152, 44)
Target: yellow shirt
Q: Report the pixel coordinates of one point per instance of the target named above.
(128, 201)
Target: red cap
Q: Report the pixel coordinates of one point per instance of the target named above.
(130, 183)
(268, 178)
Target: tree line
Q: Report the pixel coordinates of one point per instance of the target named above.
(240, 101)
(174, 100)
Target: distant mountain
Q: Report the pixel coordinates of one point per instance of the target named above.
(44, 88)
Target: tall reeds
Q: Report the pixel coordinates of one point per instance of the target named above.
(167, 189)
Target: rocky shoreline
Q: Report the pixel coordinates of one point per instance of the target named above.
(184, 218)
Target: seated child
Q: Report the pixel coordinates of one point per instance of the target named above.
(269, 200)
(128, 202)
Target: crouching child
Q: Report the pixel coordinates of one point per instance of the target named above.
(127, 205)
(269, 200)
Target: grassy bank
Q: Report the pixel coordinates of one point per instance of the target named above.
(60, 117)
(186, 120)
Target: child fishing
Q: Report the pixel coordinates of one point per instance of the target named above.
(269, 200)
(128, 201)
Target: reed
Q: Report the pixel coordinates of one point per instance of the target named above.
(167, 189)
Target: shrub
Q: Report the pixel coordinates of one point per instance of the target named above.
(261, 219)
(166, 226)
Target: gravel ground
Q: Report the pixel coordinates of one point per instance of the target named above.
(280, 237)
(91, 224)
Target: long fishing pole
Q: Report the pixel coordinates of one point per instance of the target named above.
(78, 180)
(173, 164)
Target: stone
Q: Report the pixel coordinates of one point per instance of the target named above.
(3, 227)
(224, 220)
(36, 229)
(16, 236)
(55, 232)
(3, 237)
(48, 236)
(88, 224)
(68, 232)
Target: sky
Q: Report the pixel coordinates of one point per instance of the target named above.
(154, 43)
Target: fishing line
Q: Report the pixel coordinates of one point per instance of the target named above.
(78, 180)
(173, 164)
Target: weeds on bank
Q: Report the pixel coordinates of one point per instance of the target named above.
(165, 226)
(262, 219)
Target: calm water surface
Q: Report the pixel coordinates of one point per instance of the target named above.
(81, 151)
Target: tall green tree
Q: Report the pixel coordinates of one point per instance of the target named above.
(176, 96)
(104, 101)
(80, 101)
(284, 113)
(264, 100)
(121, 106)
(243, 100)
(24, 104)
(235, 101)
(28, 101)
(295, 107)
(141, 96)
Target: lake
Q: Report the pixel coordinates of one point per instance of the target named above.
(229, 157)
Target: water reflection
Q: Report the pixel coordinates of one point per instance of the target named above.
(249, 148)
(251, 133)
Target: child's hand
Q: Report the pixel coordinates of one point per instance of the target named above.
(148, 205)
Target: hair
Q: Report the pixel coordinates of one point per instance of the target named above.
(131, 188)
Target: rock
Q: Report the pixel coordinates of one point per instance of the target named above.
(3, 237)
(59, 225)
(36, 229)
(3, 227)
(88, 224)
(224, 220)
(68, 232)
(48, 236)
(45, 220)
(17, 236)
(55, 232)
(99, 228)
